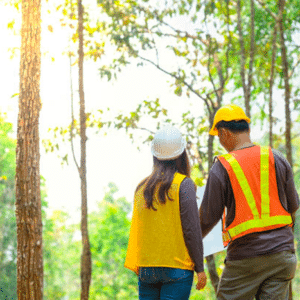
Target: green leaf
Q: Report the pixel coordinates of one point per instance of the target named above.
(178, 90)
(14, 95)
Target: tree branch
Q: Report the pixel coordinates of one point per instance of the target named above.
(185, 34)
(178, 78)
(263, 5)
(72, 116)
(294, 67)
(145, 129)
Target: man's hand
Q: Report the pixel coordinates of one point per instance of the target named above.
(201, 281)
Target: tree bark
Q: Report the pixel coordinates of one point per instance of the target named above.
(242, 52)
(271, 82)
(252, 52)
(213, 275)
(210, 261)
(285, 67)
(247, 84)
(86, 263)
(210, 144)
(28, 196)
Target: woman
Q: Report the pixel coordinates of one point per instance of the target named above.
(165, 244)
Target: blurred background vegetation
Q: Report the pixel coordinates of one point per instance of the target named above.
(211, 53)
(109, 231)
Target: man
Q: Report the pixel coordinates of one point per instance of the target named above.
(252, 189)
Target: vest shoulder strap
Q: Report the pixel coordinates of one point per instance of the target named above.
(178, 178)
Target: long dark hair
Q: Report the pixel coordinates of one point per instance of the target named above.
(162, 176)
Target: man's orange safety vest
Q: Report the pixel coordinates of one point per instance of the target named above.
(257, 206)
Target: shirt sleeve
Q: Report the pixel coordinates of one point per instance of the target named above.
(214, 200)
(285, 181)
(191, 223)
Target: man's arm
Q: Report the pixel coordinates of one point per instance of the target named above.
(213, 202)
(286, 186)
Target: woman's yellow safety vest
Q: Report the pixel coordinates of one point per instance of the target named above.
(156, 237)
(257, 206)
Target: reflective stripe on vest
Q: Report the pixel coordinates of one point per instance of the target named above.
(259, 221)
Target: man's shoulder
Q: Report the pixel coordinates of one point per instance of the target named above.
(279, 158)
(217, 168)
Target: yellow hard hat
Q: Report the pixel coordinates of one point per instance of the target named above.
(228, 113)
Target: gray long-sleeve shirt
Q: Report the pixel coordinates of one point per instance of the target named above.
(219, 193)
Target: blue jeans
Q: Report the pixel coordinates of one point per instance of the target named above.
(161, 283)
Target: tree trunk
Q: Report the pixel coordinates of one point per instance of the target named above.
(210, 261)
(285, 67)
(247, 84)
(242, 54)
(213, 275)
(271, 82)
(86, 264)
(252, 52)
(28, 196)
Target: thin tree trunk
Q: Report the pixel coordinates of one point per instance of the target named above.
(213, 275)
(271, 82)
(210, 151)
(28, 196)
(86, 264)
(252, 52)
(285, 66)
(246, 84)
(242, 54)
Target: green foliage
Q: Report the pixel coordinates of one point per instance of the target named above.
(206, 62)
(205, 55)
(145, 32)
(109, 233)
(209, 292)
(61, 257)
(8, 236)
(197, 176)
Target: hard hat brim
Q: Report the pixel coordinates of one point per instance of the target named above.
(213, 131)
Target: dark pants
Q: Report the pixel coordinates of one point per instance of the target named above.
(160, 283)
(264, 277)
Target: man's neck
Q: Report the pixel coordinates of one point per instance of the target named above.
(242, 141)
(244, 145)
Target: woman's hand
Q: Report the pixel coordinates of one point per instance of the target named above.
(201, 280)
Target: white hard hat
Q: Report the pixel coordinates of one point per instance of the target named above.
(168, 143)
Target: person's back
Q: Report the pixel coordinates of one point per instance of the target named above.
(161, 241)
(253, 188)
(165, 244)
